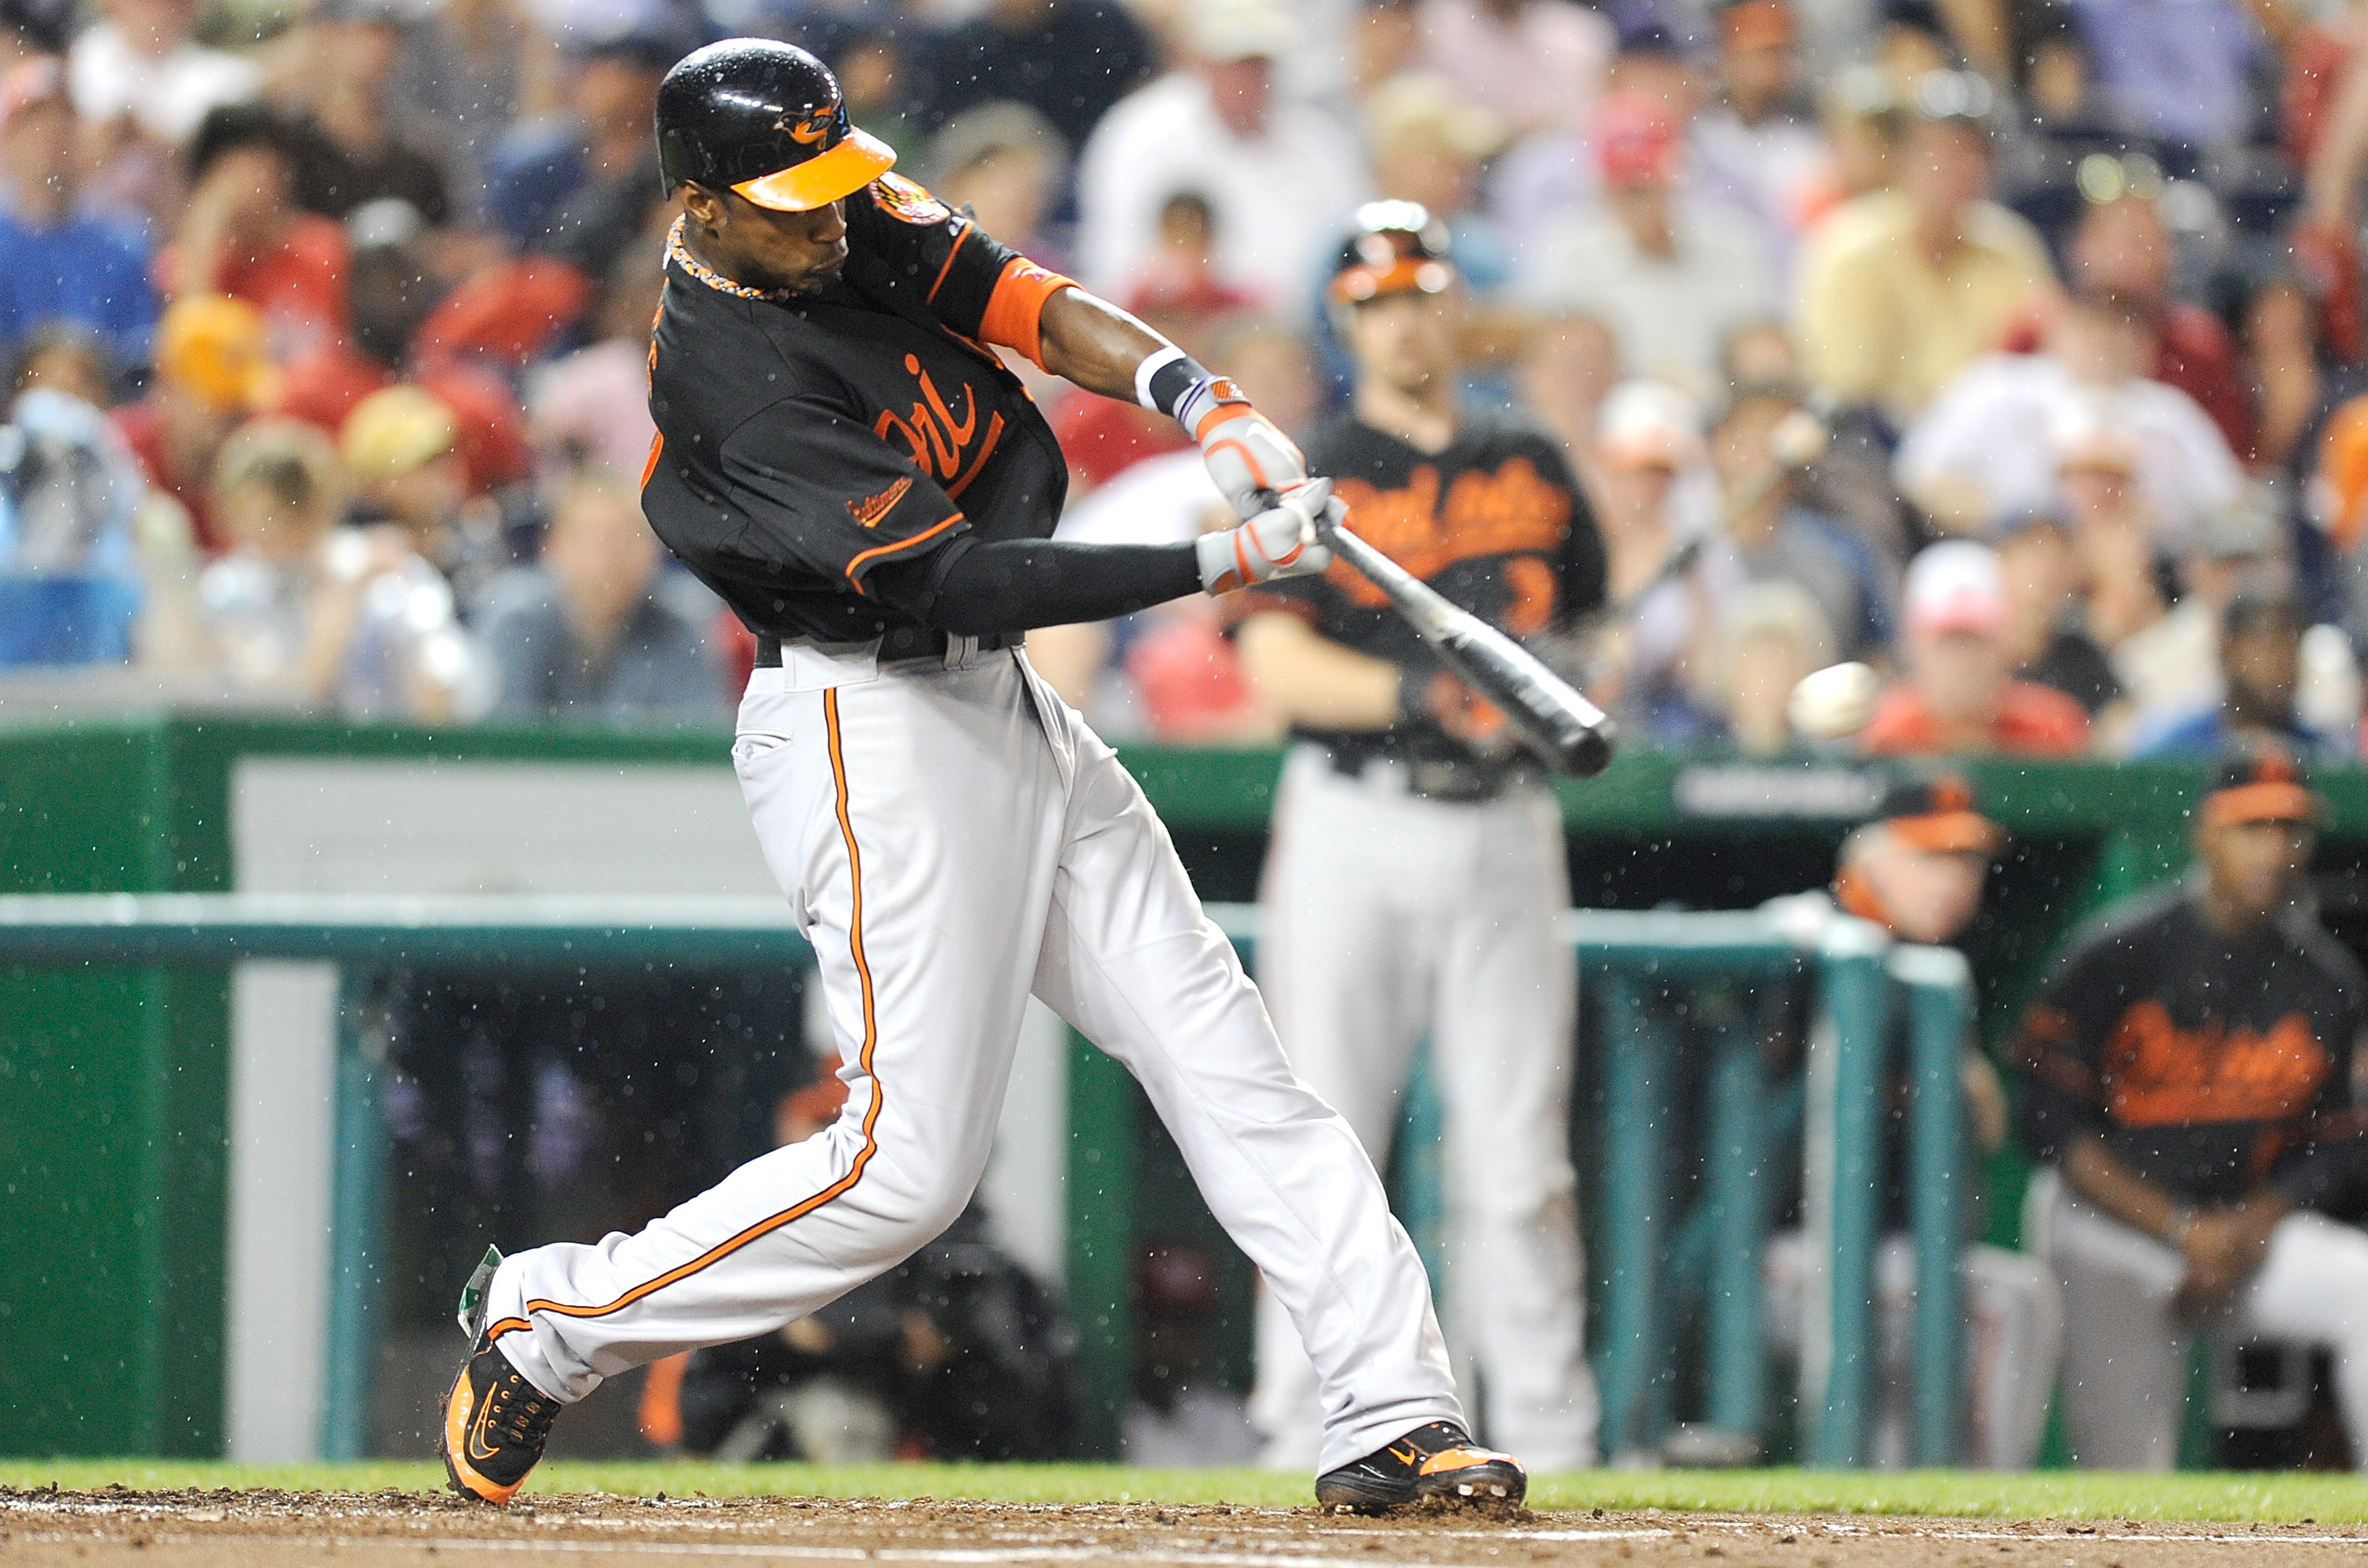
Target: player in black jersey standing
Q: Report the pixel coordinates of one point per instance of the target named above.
(842, 457)
(1418, 879)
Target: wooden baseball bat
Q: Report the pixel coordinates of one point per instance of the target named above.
(1563, 728)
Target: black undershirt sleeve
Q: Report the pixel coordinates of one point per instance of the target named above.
(972, 588)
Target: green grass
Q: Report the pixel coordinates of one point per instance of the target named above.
(2056, 1494)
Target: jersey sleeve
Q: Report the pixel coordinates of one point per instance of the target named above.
(2327, 1165)
(940, 262)
(825, 495)
(2059, 1046)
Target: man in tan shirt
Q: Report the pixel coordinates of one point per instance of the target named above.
(1901, 289)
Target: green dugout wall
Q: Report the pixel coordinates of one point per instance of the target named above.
(115, 1084)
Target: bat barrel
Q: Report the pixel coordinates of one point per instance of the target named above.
(1561, 726)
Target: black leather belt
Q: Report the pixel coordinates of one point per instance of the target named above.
(1462, 781)
(900, 642)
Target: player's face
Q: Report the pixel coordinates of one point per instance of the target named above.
(765, 249)
(1405, 340)
(2255, 867)
(1932, 895)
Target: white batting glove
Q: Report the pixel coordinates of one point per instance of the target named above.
(1279, 541)
(1248, 455)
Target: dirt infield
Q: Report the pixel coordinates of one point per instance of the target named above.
(397, 1530)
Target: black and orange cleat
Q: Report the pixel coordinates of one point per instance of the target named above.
(494, 1423)
(1437, 1463)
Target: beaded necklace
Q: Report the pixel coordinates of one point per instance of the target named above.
(679, 254)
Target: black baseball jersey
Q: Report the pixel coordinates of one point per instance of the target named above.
(1495, 522)
(804, 439)
(2209, 1064)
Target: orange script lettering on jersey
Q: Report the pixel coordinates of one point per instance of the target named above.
(2158, 1075)
(939, 442)
(1508, 512)
(871, 508)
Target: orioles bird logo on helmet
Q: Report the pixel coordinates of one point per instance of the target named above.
(811, 129)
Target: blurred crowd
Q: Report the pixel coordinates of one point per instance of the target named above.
(2014, 348)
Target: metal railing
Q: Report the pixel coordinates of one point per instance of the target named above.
(1862, 983)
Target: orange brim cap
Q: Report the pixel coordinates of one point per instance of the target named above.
(2270, 802)
(1951, 833)
(823, 178)
(1407, 275)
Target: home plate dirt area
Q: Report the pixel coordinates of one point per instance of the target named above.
(402, 1529)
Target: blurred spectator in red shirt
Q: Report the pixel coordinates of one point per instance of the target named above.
(393, 290)
(1178, 292)
(1960, 693)
(213, 370)
(244, 235)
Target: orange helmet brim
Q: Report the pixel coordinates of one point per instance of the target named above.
(823, 178)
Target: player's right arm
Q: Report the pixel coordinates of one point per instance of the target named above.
(982, 288)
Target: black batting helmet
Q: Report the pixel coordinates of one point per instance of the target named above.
(764, 121)
(1395, 246)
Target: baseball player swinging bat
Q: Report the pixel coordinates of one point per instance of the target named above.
(1560, 725)
(822, 319)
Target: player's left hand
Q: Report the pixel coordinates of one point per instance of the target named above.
(1279, 541)
(1250, 458)
(2223, 1248)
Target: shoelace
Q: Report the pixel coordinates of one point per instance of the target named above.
(520, 1412)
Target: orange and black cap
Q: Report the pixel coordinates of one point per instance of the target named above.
(1396, 247)
(766, 122)
(2263, 783)
(1939, 812)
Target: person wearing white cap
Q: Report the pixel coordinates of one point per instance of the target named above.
(1281, 177)
(1960, 693)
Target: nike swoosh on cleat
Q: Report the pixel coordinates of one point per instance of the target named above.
(478, 1448)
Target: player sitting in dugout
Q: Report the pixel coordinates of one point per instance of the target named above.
(1917, 869)
(2191, 1071)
